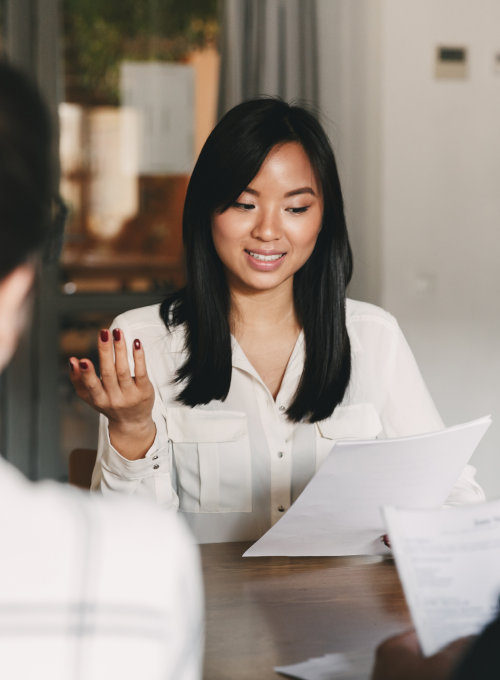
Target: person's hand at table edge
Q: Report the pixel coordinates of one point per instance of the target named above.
(400, 658)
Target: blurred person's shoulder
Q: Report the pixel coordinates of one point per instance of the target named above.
(122, 570)
(113, 529)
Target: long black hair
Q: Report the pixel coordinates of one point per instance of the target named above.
(229, 160)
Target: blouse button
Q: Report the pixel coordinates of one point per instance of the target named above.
(282, 408)
(281, 508)
(280, 454)
(155, 457)
(155, 467)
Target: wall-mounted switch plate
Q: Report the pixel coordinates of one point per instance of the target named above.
(496, 63)
(451, 62)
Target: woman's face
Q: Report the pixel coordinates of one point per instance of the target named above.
(271, 230)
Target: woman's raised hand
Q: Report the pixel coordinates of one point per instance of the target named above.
(126, 400)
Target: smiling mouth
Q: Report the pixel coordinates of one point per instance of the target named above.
(266, 258)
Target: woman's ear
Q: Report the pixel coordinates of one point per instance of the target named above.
(14, 294)
(15, 287)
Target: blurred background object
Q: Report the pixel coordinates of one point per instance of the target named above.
(133, 88)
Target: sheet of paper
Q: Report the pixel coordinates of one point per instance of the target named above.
(449, 564)
(355, 665)
(339, 511)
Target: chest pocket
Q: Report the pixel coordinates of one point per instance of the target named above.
(211, 453)
(355, 421)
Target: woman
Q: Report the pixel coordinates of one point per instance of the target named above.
(246, 377)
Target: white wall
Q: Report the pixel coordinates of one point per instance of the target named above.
(349, 40)
(422, 156)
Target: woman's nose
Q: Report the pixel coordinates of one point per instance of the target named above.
(268, 225)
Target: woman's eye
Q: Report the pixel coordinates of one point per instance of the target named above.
(298, 211)
(243, 206)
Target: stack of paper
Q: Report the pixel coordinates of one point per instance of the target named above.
(339, 511)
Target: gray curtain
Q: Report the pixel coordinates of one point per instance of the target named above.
(268, 47)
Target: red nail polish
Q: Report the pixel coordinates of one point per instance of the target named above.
(104, 335)
(137, 344)
(117, 334)
(83, 365)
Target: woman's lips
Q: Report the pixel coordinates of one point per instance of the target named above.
(265, 260)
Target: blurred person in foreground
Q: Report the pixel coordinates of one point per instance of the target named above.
(89, 588)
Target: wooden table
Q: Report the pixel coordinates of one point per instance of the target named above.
(268, 611)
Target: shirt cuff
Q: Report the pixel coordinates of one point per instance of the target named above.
(156, 456)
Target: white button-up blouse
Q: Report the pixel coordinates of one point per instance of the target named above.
(234, 466)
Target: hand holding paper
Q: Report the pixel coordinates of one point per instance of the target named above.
(339, 511)
(448, 562)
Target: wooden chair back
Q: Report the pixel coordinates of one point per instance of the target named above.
(80, 466)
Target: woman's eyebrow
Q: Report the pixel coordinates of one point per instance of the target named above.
(302, 190)
(293, 192)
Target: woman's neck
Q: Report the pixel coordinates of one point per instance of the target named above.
(262, 310)
(266, 327)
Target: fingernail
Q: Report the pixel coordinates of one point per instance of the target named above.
(83, 365)
(71, 367)
(117, 334)
(137, 344)
(104, 336)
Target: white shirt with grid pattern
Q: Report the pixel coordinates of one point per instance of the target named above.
(93, 588)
